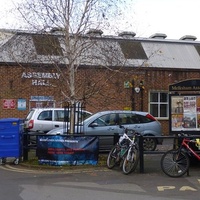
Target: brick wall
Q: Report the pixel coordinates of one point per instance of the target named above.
(102, 89)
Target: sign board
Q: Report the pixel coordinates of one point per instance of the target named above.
(21, 104)
(185, 113)
(187, 85)
(126, 84)
(9, 103)
(42, 98)
(184, 109)
(67, 150)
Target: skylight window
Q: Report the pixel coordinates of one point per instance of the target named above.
(47, 45)
(132, 50)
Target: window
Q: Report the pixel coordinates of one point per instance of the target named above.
(47, 45)
(45, 115)
(64, 115)
(128, 118)
(61, 115)
(80, 116)
(198, 48)
(132, 50)
(159, 104)
(106, 120)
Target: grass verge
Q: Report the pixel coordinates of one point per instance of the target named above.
(32, 162)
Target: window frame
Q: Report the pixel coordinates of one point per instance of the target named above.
(159, 104)
(49, 114)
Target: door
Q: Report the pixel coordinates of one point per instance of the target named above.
(61, 118)
(104, 127)
(131, 121)
(44, 121)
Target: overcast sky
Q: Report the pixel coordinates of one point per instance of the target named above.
(175, 18)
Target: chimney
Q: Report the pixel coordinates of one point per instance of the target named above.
(95, 32)
(158, 36)
(188, 38)
(56, 30)
(127, 34)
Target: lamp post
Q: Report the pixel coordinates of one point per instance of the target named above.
(137, 90)
(132, 96)
(141, 86)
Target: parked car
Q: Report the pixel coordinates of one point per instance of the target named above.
(105, 124)
(46, 119)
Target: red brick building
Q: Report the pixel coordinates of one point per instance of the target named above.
(114, 72)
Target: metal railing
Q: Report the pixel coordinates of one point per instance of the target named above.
(27, 145)
(142, 152)
(78, 115)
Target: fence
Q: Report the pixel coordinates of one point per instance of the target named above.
(142, 152)
(77, 116)
(27, 145)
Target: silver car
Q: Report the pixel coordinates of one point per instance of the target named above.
(106, 124)
(46, 119)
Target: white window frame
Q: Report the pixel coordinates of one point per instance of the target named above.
(159, 103)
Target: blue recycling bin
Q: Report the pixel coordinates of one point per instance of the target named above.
(11, 132)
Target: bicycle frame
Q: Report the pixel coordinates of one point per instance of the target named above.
(119, 151)
(127, 137)
(131, 141)
(185, 143)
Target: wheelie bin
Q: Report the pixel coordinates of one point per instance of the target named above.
(11, 133)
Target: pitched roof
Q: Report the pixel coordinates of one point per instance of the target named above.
(123, 50)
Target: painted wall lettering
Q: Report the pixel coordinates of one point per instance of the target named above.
(40, 75)
(40, 78)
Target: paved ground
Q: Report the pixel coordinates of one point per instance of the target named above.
(152, 184)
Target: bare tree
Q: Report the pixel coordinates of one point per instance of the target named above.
(70, 22)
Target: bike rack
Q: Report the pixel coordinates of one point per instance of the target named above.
(27, 147)
(142, 152)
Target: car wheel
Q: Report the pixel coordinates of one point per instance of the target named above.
(149, 144)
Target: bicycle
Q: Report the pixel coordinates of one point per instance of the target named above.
(175, 163)
(131, 159)
(119, 152)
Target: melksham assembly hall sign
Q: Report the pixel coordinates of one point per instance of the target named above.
(188, 85)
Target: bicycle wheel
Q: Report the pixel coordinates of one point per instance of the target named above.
(113, 157)
(130, 161)
(175, 163)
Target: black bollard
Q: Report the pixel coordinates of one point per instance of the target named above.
(116, 138)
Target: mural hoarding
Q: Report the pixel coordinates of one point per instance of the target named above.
(67, 150)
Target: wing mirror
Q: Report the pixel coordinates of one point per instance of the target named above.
(93, 125)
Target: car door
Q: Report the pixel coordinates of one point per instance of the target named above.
(44, 121)
(131, 121)
(61, 118)
(105, 127)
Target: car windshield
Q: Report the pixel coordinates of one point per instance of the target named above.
(100, 122)
(84, 116)
(102, 119)
(95, 115)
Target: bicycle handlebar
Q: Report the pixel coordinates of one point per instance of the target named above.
(183, 134)
(131, 130)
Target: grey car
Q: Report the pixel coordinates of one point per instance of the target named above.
(105, 124)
